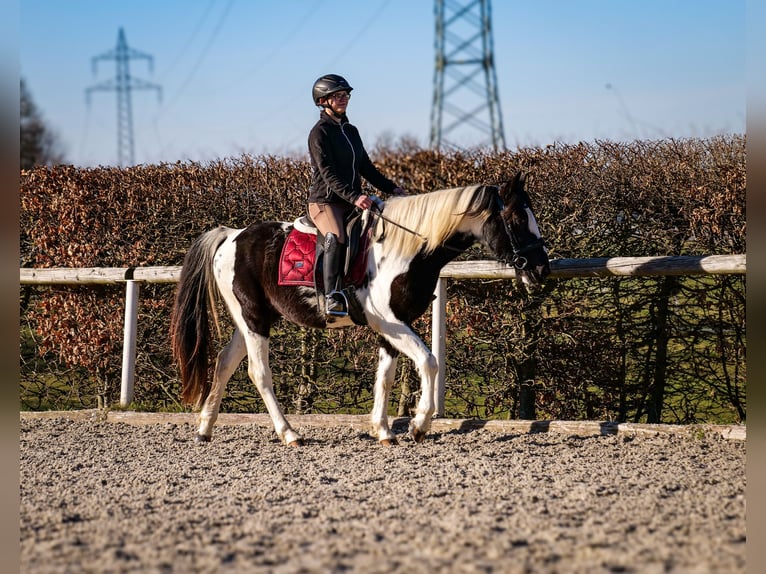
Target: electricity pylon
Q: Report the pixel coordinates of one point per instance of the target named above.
(465, 74)
(123, 84)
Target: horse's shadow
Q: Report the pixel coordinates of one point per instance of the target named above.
(468, 426)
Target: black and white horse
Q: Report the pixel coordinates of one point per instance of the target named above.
(413, 238)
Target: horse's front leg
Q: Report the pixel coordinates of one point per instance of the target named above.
(421, 423)
(260, 373)
(384, 381)
(404, 339)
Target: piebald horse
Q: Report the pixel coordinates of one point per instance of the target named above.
(412, 239)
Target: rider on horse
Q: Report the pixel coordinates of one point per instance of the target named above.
(338, 161)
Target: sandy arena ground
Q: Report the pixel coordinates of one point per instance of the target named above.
(112, 497)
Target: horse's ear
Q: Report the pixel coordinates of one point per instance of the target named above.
(513, 187)
(518, 181)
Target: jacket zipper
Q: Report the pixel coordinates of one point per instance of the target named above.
(353, 157)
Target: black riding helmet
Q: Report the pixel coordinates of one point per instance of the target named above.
(329, 84)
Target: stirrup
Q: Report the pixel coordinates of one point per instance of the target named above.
(336, 304)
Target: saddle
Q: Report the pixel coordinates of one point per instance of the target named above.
(302, 255)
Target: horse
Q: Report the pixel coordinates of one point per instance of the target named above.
(412, 239)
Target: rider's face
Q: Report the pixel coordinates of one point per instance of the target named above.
(338, 102)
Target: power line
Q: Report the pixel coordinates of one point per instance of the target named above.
(332, 62)
(204, 52)
(190, 40)
(372, 20)
(271, 54)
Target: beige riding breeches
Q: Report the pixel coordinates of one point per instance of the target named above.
(328, 217)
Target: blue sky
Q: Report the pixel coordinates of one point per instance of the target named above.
(236, 75)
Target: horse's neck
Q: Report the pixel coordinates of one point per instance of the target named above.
(447, 252)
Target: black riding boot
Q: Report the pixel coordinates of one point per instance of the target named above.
(336, 303)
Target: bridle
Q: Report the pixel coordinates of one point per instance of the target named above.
(518, 260)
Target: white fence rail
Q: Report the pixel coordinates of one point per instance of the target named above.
(561, 268)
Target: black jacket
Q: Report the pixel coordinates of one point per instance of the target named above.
(339, 161)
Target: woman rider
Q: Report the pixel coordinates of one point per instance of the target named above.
(338, 161)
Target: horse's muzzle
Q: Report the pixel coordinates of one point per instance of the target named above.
(536, 274)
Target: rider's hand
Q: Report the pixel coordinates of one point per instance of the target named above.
(363, 202)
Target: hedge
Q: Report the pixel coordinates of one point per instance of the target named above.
(652, 349)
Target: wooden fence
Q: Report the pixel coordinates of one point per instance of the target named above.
(560, 268)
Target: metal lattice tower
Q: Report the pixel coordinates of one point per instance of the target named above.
(465, 77)
(123, 84)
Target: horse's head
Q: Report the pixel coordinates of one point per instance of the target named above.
(513, 235)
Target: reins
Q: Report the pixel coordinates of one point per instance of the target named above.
(394, 223)
(518, 261)
(408, 230)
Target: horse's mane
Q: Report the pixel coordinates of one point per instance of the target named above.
(433, 217)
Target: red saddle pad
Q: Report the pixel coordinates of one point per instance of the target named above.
(298, 259)
(296, 264)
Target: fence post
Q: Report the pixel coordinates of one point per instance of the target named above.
(439, 342)
(129, 343)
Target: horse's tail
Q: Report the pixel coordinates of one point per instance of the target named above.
(189, 323)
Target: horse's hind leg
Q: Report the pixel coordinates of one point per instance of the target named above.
(227, 362)
(384, 381)
(260, 373)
